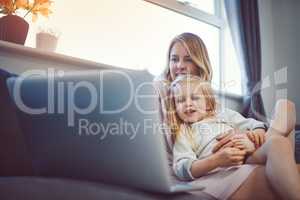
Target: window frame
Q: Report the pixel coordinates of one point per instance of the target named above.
(216, 20)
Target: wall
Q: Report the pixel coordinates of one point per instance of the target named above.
(280, 28)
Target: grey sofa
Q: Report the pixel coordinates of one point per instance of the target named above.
(19, 178)
(37, 188)
(22, 178)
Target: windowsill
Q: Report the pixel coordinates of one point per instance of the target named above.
(33, 52)
(47, 55)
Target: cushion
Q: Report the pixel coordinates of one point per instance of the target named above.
(14, 157)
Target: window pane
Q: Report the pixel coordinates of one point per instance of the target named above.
(232, 71)
(132, 33)
(204, 5)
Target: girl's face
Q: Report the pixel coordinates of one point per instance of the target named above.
(190, 103)
(181, 62)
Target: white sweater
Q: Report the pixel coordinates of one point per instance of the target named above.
(204, 133)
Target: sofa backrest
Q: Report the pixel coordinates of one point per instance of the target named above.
(15, 160)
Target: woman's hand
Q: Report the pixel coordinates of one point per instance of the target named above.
(225, 140)
(230, 156)
(257, 136)
(242, 142)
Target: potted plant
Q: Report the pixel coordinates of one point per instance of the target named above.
(13, 26)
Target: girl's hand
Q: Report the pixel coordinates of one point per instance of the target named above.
(230, 156)
(242, 142)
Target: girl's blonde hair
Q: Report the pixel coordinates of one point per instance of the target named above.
(177, 125)
(197, 51)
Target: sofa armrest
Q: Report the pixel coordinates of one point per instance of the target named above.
(297, 145)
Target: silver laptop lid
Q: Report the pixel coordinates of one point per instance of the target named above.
(94, 125)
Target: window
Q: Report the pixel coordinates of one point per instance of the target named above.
(136, 33)
(204, 5)
(232, 82)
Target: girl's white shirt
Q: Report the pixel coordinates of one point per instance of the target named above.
(203, 135)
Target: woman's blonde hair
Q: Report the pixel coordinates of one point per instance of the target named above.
(175, 123)
(197, 51)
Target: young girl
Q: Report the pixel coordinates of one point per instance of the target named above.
(196, 121)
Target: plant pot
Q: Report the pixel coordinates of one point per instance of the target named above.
(46, 41)
(13, 29)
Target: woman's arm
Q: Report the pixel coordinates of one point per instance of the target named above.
(225, 157)
(186, 166)
(241, 123)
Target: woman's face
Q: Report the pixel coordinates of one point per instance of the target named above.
(190, 103)
(181, 62)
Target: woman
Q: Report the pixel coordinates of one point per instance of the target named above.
(187, 54)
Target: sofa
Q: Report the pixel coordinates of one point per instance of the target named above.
(20, 179)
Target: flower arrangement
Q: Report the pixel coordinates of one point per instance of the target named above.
(34, 7)
(50, 30)
(47, 38)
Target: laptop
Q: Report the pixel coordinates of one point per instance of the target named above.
(98, 125)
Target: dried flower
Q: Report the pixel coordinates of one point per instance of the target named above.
(49, 29)
(33, 7)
